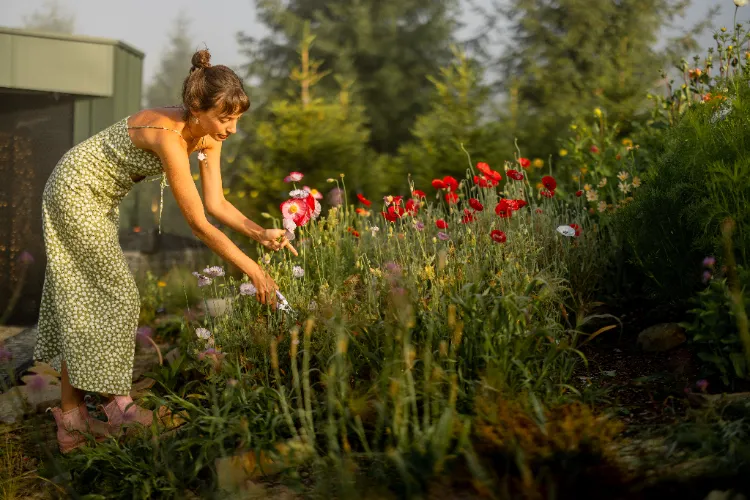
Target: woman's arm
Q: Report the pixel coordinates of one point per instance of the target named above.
(177, 168)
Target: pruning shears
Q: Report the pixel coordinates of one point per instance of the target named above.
(283, 305)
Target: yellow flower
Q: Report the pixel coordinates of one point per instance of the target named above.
(195, 177)
(573, 126)
(538, 163)
(161, 284)
(575, 178)
(598, 112)
(226, 191)
(241, 194)
(628, 143)
(584, 170)
(563, 152)
(587, 187)
(254, 193)
(539, 185)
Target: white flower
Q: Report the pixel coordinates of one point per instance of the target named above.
(201, 155)
(298, 272)
(202, 280)
(214, 271)
(566, 230)
(602, 206)
(202, 333)
(592, 195)
(298, 193)
(248, 289)
(624, 187)
(636, 181)
(623, 176)
(374, 230)
(289, 235)
(317, 210)
(603, 182)
(740, 3)
(289, 224)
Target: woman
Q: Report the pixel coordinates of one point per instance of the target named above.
(90, 303)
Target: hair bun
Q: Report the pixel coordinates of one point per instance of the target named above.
(201, 60)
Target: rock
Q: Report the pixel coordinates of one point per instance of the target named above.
(661, 337)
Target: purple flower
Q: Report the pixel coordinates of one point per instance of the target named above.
(702, 385)
(248, 289)
(5, 354)
(393, 268)
(214, 271)
(443, 236)
(202, 280)
(707, 276)
(335, 196)
(419, 225)
(26, 258)
(143, 334)
(709, 262)
(37, 383)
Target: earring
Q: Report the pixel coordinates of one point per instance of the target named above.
(195, 119)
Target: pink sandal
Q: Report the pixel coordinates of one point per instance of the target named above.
(72, 424)
(122, 411)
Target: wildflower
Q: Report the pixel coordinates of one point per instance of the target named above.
(361, 211)
(329, 180)
(594, 149)
(583, 170)
(392, 200)
(202, 333)
(579, 193)
(412, 206)
(546, 193)
(446, 182)
(314, 193)
(267, 258)
(603, 182)
(587, 187)
(214, 271)
(566, 231)
(538, 163)
(37, 383)
(451, 198)
(598, 112)
(298, 272)
(26, 258)
(293, 177)
(498, 236)
(592, 195)
(636, 182)
(549, 182)
(298, 210)
(418, 194)
(515, 175)
(575, 178)
(484, 181)
(740, 3)
(374, 230)
(475, 204)
(5, 354)
(524, 162)
(142, 334)
(539, 210)
(298, 193)
(468, 216)
(335, 196)
(161, 284)
(577, 229)
(248, 289)
(623, 175)
(503, 209)
(628, 143)
(563, 152)
(624, 187)
(443, 236)
(202, 280)
(441, 224)
(393, 213)
(418, 225)
(709, 262)
(602, 206)
(707, 276)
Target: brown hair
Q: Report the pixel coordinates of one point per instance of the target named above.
(208, 87)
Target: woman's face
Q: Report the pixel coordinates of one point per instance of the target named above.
(218, 126)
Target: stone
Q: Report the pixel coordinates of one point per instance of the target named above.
(661, 337)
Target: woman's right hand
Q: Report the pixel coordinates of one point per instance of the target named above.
(265, 285)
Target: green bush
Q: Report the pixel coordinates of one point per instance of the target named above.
(701, 178)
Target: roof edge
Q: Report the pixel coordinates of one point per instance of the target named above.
(72, 38)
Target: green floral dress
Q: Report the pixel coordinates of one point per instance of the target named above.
(90, 302)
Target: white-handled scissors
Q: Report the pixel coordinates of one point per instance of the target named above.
(283, 304)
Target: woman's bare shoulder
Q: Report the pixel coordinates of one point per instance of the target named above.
(167, 117)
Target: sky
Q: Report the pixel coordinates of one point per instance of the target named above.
(146, 24)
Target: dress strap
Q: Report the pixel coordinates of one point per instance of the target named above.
(157, 127)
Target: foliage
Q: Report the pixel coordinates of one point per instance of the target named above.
(387, 48)
(52, 18)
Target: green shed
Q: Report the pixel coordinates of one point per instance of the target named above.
(55, 91)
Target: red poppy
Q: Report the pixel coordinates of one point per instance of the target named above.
(450, 183)
(520, 203)
(494, 176)
(468, 217)
(475, 204)
(579, 193)
(577, 228)
(524, 162)
(360, 211)
(515, 174)
(451, 198)
(393, 213)
(498, 236)
(594, 149)
(364, 200)
(418, 194)
(412, 206)
(355, 234)
(441, 224)
(546, 193)
(485, 182)
(549, 182)
(390, 199)
(503, 209)
(484, 168)
(438, 184)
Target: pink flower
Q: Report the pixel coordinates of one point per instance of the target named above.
(443, 236)
(314, 192)
(293, 177)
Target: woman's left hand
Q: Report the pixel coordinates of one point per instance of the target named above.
(275, 239)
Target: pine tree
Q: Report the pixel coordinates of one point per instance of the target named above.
(570, 56)
(386, 47)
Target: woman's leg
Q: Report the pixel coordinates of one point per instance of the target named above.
(70, 396)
